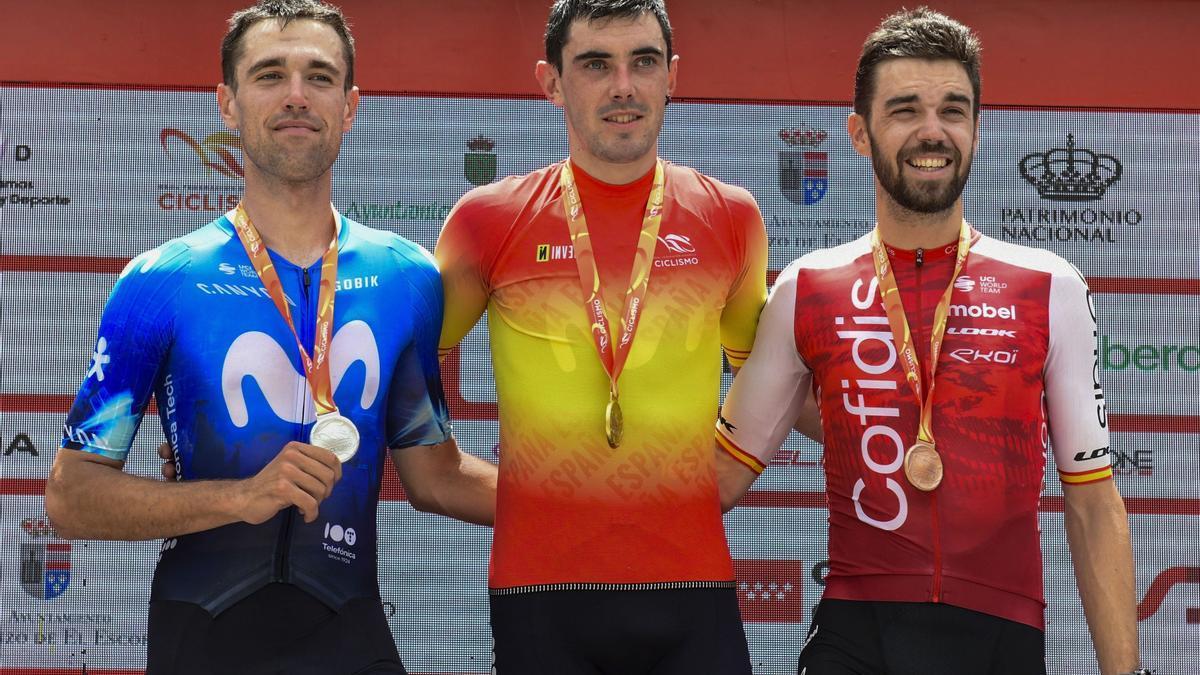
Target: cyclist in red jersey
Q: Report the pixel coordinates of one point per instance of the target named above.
(933, 495)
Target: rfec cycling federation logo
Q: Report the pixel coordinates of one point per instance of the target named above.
(210, 172)
(45, 560)
(1075, 185)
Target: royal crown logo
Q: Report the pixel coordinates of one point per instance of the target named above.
(45, 560)
(803, 170)
(1070, 174)
(479, 165)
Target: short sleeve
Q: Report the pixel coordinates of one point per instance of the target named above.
(132, 344)
(459, 254)
(768, 394)
(1076, 413)
(417, 413)
(739, 320)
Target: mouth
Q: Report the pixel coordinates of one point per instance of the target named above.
(622, 119)
(295, 127)
(928, 163)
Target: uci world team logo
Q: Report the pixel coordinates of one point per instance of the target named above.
(479, 165)
(45, 560)
(803, 169)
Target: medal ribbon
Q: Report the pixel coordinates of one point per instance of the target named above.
(613, 356)
(892, 304)
(316, 367)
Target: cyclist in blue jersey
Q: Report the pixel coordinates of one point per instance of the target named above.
(269, 559)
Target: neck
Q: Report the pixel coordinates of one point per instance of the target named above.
(905, 229)
(293, 219)
(612, 173)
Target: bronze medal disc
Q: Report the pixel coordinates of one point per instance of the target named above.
(923, 466)
(614, 423)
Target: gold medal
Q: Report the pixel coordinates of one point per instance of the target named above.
(614, 423)
(923, 466)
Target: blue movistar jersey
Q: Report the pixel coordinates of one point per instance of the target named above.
(190, 323)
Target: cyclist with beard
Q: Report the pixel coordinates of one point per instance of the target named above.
(943, 362)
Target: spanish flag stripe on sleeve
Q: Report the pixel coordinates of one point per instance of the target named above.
(740, 455)
(1081, 477)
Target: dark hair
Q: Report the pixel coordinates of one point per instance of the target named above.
(286, 11)
(917, 33)
(566, 12)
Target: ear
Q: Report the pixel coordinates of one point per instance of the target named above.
(856, 126)
(550, 80)
(225, 99)
(352, 98)
(672, 73)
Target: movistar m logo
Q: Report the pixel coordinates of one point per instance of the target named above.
(259, 357)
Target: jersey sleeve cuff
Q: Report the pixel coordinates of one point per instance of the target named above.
(750, 461)
(1084, 477)
(737, 357)
(97, 450)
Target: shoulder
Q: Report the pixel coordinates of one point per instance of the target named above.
(503, 200)
(1026, 257)
(693, 188)
(388, 254)
(174, 259)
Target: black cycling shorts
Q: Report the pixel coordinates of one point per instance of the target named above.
(917, 638)
(617, 632)
(277, 629)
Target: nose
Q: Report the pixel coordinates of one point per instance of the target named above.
(931, 128)
(622, 83)
(296, 98)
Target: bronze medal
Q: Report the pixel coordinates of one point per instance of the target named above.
(614, 423)
(923, 466)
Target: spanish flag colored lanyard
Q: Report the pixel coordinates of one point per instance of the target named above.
(316, 367)
(922, 463)
(613, 356)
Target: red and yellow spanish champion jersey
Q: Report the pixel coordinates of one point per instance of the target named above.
(570, 509)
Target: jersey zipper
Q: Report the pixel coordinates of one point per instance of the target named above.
(301, 318)
(935, 529)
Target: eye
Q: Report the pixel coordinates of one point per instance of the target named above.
(269, 75)
(955, 112)
(595, 65)
(646, 61)
(321, 77)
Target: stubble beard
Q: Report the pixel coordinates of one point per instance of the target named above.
(290, 165)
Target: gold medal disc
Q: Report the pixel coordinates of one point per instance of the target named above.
(614, 423)
(923, 466)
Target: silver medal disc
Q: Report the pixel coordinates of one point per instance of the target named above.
(336, 434)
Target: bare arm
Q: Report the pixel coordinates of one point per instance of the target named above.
(733, 478)
(90, 497)
(443, 479)
(1098, 536)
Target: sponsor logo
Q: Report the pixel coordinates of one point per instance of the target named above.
(770, 590)
(1001, 356)
(357, 283)
(873, 352)
(244, 270)
(1069, 175)
(32, 201)
(197, 201)
(21, 153)
(803, 170)
(260, 358)
(168, 544)
(1139, 462)
(21, 443)
(548, 252)
(45, 560)
(964, 284)
(1084, 455)
(99, 360)
(1097, 391)
(216, 152)
(677, 243)
(986, 332)
(984, 311)
(1151, 358)
(339, 535)
(1157, 593)
(479, 165)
